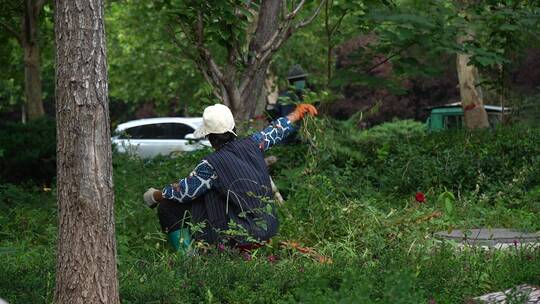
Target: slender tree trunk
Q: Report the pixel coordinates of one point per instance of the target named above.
(32, 82)
(502, 91)
(329, 48)
(86, 258)
(471, 95)
(32, 67)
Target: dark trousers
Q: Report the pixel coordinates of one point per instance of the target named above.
(174, 215)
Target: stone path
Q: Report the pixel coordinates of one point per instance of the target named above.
(496, 238)
(525, 294)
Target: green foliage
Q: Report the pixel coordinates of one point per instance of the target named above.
(507, 28)
(145, 65)
(29, 151)
(350, 195)
(528, 110)
(225, 22)
(413, 35)
(11, 54)
(393, 131)
(410, 37)
(413, 160)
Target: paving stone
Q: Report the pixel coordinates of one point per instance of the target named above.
(527, 293)
(498, 238)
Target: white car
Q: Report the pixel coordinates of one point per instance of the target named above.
(154, 136)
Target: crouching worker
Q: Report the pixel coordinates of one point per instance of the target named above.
(228, 193)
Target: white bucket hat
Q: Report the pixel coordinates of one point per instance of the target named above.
(217, 119)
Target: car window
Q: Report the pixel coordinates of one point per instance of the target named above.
(157, 131)
(179, 130)
(153, 131)
(128, 133)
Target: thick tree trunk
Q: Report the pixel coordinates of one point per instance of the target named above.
(471, 95)
(253, 97)
(32, 67)
(86, 262)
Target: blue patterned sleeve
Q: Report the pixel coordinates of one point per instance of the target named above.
(196, 184)
(274, 133)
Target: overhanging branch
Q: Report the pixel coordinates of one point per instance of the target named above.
(307, 21)
(203, 68)
(295, 11)
(338, 23)
(284, 31)
(13, 32)
(204, 53)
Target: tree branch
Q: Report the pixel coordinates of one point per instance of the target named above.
(284, 11)
(13, 32)
(283, 28)
(310, 19)
(204, 53)
(200, 65)
(292, 14)
(284, 31)
(338, 23)
(177, 42)
(376, 65)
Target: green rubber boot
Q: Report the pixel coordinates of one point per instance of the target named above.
(180, 240)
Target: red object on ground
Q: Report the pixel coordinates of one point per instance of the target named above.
(272, 259)
(221, 247)
(420, 197)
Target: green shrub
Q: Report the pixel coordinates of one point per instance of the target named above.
(28, 151)
(391, 131)
(406, 161)
(350, 196)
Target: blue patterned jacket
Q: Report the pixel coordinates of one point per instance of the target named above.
(204, 177)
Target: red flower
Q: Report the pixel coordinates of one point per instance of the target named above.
(420, 197)
(221, 247)
(272, 258)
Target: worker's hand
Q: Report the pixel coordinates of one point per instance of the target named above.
(300, 111)
(151, 197)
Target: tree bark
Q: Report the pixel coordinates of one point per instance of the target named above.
(242, 89)
(329, 45)
(32, 82)
(32, 67)
(471, 95)
(86, 258)
(253, 95)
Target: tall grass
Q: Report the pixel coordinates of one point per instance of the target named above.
(349, 196)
